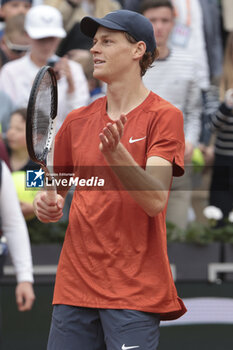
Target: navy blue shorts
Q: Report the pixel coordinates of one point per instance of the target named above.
(79, 328)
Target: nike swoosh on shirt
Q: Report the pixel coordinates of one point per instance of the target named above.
(129, 347)
(131, 140)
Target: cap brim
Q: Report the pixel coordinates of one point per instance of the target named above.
(90, 25)
(45, 33)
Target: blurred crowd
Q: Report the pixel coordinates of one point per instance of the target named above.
(194, 72)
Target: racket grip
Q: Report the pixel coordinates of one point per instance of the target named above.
(51, 188)
(52, 195)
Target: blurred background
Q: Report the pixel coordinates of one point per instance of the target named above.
(194, 72)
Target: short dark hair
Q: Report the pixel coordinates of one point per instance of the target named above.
(148, 4)
(22, 112)
(148, 57)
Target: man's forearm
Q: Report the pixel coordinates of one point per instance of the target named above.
(143, 185)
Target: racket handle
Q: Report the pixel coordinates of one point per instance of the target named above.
(52, 195)
(50, 188)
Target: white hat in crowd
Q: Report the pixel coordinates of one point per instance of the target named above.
(43, 21)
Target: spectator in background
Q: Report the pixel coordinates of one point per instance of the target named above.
(16, 141)
(221, 190)
(14, 42)
(214, 48)
(3, 152)
(213, 39)
(11, 8)
(44, 27)
(227, 10)
(74, 10)
(173, 77)
(7, 107)
(75, 40)
(188, 34)
(132, 5)
(14, 229)
(19, 158)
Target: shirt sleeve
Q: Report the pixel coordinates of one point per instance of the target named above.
(166, 138)
(14, 228)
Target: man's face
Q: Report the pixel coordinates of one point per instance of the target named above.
(44, 48)
(112, 54)
(16, 44)
(162, 19)
(16, 134)
(14, 8)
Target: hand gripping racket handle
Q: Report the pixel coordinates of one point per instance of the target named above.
(51, 187)
(51, 190)
(52, 195)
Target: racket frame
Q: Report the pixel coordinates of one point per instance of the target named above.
(51, 134)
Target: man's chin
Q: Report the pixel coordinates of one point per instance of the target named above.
(99, 76)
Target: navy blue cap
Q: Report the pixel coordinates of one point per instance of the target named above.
(133, 23)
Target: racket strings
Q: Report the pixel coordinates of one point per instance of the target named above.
(42, 122)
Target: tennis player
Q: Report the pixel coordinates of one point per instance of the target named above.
(114, 282)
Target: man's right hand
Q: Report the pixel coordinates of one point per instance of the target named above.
(47, 211)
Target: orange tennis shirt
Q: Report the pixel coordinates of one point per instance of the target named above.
(114, 255)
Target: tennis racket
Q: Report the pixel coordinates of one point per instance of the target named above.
(40, 124)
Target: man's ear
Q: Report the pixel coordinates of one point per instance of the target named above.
(139, 50)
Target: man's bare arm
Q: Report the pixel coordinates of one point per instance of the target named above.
(148, 187)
